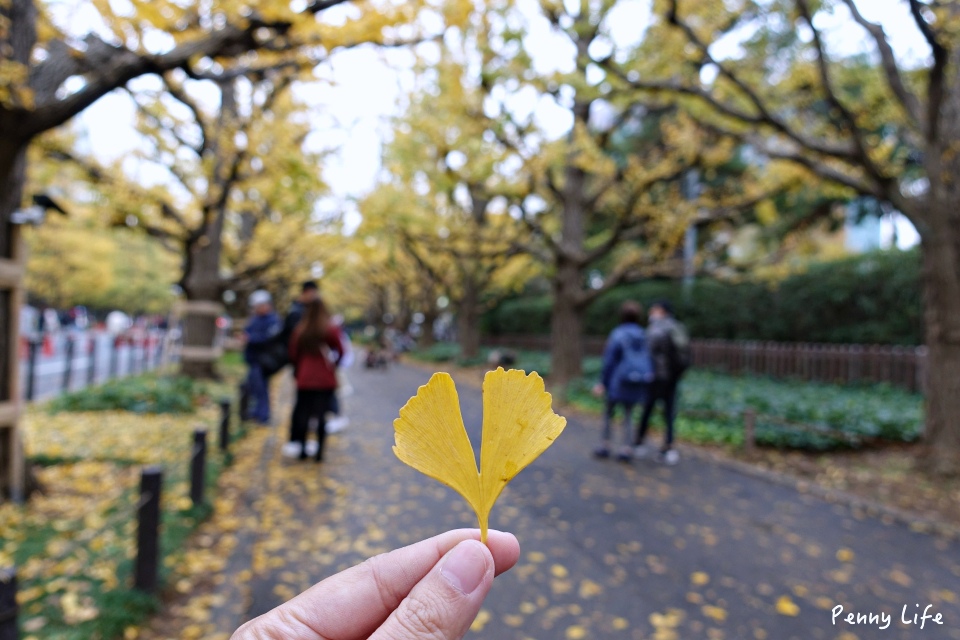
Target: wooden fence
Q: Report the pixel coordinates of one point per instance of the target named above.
(904, 367)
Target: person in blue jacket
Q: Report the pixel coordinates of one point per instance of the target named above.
(626, 375)
(262, 329)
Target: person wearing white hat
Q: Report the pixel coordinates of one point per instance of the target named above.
(262, 329)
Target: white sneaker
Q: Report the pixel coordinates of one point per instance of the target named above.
(641, 451)
(670, 457)
(291, 450)
(311, 448)
(337, 424)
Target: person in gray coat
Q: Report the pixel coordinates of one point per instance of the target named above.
(670, 349)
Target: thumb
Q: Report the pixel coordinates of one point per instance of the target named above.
(444, 604)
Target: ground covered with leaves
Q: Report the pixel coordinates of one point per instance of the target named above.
(74, 542)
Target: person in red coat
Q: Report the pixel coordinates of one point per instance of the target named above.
(315, 350)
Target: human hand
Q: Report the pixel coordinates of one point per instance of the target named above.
(598, 390)
(431, 590)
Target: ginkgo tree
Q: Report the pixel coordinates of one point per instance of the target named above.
(226, 179)
(52, 67)
(877, 124)
(452, 193)
(606, 202)
(80, 262)
(381, 274)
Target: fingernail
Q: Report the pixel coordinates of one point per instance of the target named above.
(465, 567)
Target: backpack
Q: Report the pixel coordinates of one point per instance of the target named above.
(679, 357)
(273, 355)
(636, 363)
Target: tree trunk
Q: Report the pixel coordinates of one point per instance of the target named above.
(468, 320)
(939, 227)
(202, 287)
(566, 321)
(15, 473)
(427, 339)
(941, 287)
(16, 44)
(941, 281)
(566, 328)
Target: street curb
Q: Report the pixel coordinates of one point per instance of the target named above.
(916, 522)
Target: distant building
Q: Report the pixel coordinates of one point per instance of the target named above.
(871, 225)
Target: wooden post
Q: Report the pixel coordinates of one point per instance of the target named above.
(148, 529)
(68, 369)
(8, 604)
(749, 429)
(198, 462)
(224, 424)
(244, 402)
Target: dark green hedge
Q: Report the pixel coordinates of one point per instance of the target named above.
(873, 298)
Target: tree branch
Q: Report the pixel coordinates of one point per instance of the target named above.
(849, 121)
(632, 272)
(839, 151)
(115, 66)
(907, 99)
(177, 91)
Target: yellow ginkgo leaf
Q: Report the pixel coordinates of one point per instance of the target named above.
(518, 425)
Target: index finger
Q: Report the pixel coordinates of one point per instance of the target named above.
(353, 604)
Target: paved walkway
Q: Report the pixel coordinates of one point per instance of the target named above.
(607, 550)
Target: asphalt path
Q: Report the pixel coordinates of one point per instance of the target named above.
(608, 550)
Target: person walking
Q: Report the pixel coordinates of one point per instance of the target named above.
(261, 331)
(627, 372)
(309, 291)
(670, 349)
(315, 350)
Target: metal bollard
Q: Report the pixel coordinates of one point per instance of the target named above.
(224, 424)
(69, 364)
(148, 530)
(198, 463)
(33, 347)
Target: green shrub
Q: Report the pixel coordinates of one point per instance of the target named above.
(142, 394)
(712, 405)
(873, 298)
(439, 352)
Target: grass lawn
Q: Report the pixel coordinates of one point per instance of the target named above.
(73, 543)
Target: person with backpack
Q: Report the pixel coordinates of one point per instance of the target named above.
(315, 350)
(261, 334)
(670, 351)
(626, 374)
